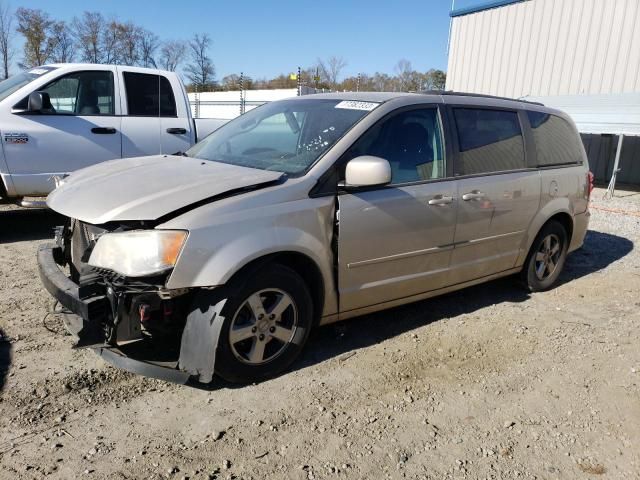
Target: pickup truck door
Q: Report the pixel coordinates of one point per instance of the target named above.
(156, 116)
(82, 128)
(396, 241)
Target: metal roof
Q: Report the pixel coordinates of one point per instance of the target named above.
(458, 12)
(615, 114)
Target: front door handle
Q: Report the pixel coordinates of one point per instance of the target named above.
(440, 200)
(103, 130)
(475, 195)
(177, 131)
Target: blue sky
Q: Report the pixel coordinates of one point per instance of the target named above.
(268, 37)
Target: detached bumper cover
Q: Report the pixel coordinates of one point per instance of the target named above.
(63, 289)
(89, 313)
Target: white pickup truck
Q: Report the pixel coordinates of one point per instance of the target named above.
(58, 118)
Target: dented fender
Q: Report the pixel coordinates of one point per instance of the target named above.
(221, 243)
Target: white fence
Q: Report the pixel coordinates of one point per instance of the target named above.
(227, 105)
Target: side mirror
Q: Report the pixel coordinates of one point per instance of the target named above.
(39, 102)
(367, 171)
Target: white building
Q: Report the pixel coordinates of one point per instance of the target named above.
(582, 56)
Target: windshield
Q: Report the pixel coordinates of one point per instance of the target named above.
(12, 84)
(286, 136)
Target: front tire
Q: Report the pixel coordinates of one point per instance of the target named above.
(546, 257)
(267, 320)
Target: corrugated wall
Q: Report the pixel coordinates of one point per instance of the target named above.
(601, 150)
(547, 47)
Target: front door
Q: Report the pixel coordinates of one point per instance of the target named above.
(497, 195)
(80, 130)
(396, 241)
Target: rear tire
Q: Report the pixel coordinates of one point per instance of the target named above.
(267, 320)
(546, 258)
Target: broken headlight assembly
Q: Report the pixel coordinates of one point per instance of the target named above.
(138, 253)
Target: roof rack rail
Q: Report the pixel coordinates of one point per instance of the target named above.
(481, 95)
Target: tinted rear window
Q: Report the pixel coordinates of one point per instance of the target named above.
(556, 141)
(149, 95)
(489, 140)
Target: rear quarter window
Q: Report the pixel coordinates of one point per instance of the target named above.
(489, 141)
(556, 141)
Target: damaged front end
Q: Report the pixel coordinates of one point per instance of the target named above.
(135, 323)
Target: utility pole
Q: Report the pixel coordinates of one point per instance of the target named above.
(358, 84)
(241, 83)
(299, 78)
(197, 112)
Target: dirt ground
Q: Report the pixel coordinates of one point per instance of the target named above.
(489, 382)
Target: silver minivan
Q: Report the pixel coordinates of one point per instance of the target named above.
(308, 211)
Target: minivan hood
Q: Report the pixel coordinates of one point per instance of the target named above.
(147, 188)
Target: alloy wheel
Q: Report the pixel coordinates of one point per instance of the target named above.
(548, 256)
(263, 326)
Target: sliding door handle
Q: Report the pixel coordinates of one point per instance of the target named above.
(440, 200)
(177, 131)
(103, 130)
(475, 195)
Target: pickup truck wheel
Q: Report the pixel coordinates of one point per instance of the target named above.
(546, 257)
(267, 322)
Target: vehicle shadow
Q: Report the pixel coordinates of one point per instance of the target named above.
(28, 224)
(5, 358)
(599, 251)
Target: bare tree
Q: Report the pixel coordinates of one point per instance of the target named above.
(201, 70)
(172, 54)
(404, 71)
(36, 27)
(6, 35)
(110, 42)
(148, 44)
(88, 31)
(64, 48)
(331, 69)
(128, 42)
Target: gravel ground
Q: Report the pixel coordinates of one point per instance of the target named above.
(490, 382)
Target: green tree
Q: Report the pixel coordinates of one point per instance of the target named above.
(435, 80)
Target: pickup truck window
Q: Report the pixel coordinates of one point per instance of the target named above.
(83, 93)
(80, 93)
(286, 136)
(13, 84)
(149, 95)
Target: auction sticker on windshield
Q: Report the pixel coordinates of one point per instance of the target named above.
(353, 105)
(41, 70)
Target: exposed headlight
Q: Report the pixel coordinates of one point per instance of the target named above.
(138, 253)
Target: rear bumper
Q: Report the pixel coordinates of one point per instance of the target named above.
(580, 226)
(88, 315)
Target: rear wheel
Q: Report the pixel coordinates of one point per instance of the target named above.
(546, 257)
(267, 322)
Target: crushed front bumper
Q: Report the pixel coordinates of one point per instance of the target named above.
(88, 313)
